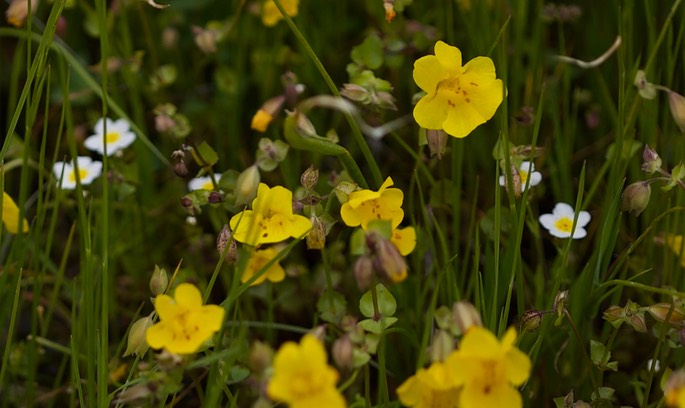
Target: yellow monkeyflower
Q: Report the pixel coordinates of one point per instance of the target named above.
(271, 15)
(261, 120)
(458, 98)
(271, 218)
(675, 242)
(488, 369)
(258, 260)
(434, 387)
(10, 215)
(364, 206)
(302, 377)
(404, 239)
(184, 323)
(674, 389)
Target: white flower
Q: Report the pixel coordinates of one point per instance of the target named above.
(118, 137)
(527, 168)
(203, 183)
(560, 222)
(88, 170)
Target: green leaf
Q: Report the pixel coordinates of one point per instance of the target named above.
(377, 327)
(369, 53)
(599, 353)
(386, 302)
(332, 307)
(358, 243)
(239, 373)
(359, 358)
(207, 154)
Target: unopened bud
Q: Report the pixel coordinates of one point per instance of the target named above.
(437, 142)
(388, 260)
(136, 337)
(304, 126)
(389, 10)
(651, 160)
(170, 37)
(215, 197)
(186, 202)
(363, 272)
(660, 311)
(343, 352)
(159, 281)
(530, 320)
(635, 197)
(343, 190)
(205, 39)
(316, 239)
(260, 357)
(222, 240)
(466, 316)
(646, 89)
(180, 168)
(246, 185)
(560, 304)
(614, 315)
(355, 93)
(441, 346)
(677, 105)
(310, 178)
(18, 11)
(265, 114)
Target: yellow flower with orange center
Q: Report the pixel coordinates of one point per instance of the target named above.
(258, 260)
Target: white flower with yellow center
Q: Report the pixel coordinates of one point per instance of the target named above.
(560, 222)
(526, 170)
(118, 136)
(203, 183)
(88, 170)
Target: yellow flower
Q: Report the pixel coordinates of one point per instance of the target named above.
(404, 239)
(261, 120)
(258, 260)
(674, 389)
(18, 11)
(675, 242)
(302, 377)
(271, 219)
(184, 323)
(271, 15)
(489, 370)
(364, 206)
(10, 215)
(458, 98)
(434, 387)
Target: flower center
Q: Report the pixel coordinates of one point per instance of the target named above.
(564, 224)
(306, 384)
(453, 87)
(524, 177)
(82, 173)
(112, 137)
(208, 185)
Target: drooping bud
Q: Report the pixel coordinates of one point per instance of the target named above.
(159, 281)
(136, 343)
(559, 306)
(265, 114)
(363, 272)
(343, 352)
(660, 312)
(206, 39)
(635, 197)
(646, 89)
(18, 11)
(651, 160)
(316, 239)
(310, 178)
(441, 346)
(246, 185)
(222, 240)
(466, 316)
(304, 126)
(260, 357)
(677, 105)
(180, 167)
(388, 260)
(215, 198)
(530, 320)
(437, 142)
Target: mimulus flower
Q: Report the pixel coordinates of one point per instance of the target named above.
(560, 222)
(203, 183)
(674, 389)
(118, 137)
(526, 170)
(271, 218)
(364, 206)
(434, 387)
(458, 98)
(302, 377)
(184, 323)
(88, 170)
(258, 260)
(675, 242)
(489, 370)
(404, 239)
(10, 215)
(271, 15)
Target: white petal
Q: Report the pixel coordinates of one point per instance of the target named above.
(563, 210)
(527, 166)
(559, 234)
(547, 221)
(583, 219)
(535, 178)
(502, 181)
(119, 125)
(579, 233)
(94, 143)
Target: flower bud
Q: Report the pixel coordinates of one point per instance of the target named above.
(260, 357)
(215, 197)
(635, 197)
(652, 161)
(18, 11)
(304, 126)
(645, 88)
(186, 202)
(355, 93)
(310, 178)
(180, 168)
(466, 316)
(205, 39)
(222, 240)
(437, 142)
(660, 311)
(343, 352)
(363, 271)
(530, 320)
(388, 260)
(246, 185)
(614, 315)
(170, 37)
(136, 337)
(265, 114)
(159, 281)
(677, 104)
(316, 239)
(441, 346)
(559, 306)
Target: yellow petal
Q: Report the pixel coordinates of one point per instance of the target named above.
(449, 57)
(261, 120)
(10, 215)
(499, 395)
(165, 307)
(213, 317)
(158, 335)
(427, 73)
(431, 111)
(411, 391)
(479, 342)
(188, 295)
(517, 366)
(404, 240)
(462, 119)
(480, 66)
(244, 228)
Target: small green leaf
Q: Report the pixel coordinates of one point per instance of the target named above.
(369, 53)
(599, 353)
(207, 154)
(359, 358)
(386, 302)
(377, 327)
(239, 373)
(331, 307)
(358, 243)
